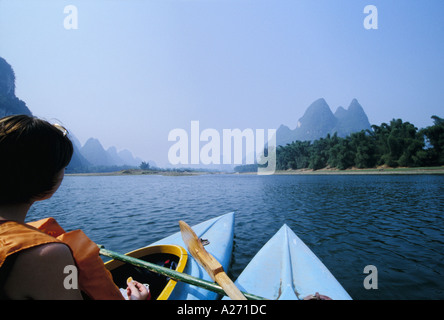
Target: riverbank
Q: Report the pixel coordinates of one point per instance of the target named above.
(326, 171)
(385, 170)
(135, 172)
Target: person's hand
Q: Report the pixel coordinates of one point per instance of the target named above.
(137, 291)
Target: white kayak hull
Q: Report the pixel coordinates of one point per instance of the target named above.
(286, 269)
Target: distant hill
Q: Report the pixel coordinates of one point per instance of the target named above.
(352, 120)
(9, 103)
(78, 162)
(84, 159)
(318, 121)
(96, 155)
(126, 157)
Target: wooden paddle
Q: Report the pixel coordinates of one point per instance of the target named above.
(208, 262)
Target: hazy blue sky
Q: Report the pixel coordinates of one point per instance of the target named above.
(134, 70)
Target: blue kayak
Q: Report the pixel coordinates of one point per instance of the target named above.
(286, 269)
(218, 233)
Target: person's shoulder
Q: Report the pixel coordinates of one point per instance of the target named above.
(39, 273)
(50, 258)
(47, 252)
(45, 259)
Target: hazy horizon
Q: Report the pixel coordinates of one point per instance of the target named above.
(135, 70)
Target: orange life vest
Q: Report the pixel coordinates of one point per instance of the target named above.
(94, 279)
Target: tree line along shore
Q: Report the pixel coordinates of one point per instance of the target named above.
(325, 171)
(395, 147)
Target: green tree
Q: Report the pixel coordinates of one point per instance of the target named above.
(295, 155)
(396, 144)
(319, 153)
(144, 165)
(380, 135)
(399, 144)
(435, 137)
(345, 154)
(364, 145)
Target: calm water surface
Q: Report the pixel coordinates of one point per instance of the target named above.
(392, 222)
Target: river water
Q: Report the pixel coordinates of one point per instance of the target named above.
(393, 222)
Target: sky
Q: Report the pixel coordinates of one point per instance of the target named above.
(134, 70)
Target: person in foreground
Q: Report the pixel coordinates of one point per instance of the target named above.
(33, 257)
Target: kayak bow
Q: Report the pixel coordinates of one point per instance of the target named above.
(286, 269)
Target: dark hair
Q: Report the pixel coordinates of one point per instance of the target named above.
(32, 153)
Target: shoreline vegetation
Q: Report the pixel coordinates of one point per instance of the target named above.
(138, 172)
(325, 171)
(395, 148)
(395, 145)
(366, 171)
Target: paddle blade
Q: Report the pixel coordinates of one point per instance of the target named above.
(197, 250)
(208, 262)
(188, 235)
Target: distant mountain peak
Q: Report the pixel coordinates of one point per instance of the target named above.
(91, 154)
(319, 105)
(7, 79)
(94, 152)
(353, 120)
(92, 142)
(318, 121)
(9, 103)
(340, 112)
(355, 105)
(283, 127)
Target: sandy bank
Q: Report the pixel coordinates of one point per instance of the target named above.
(377, 171)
